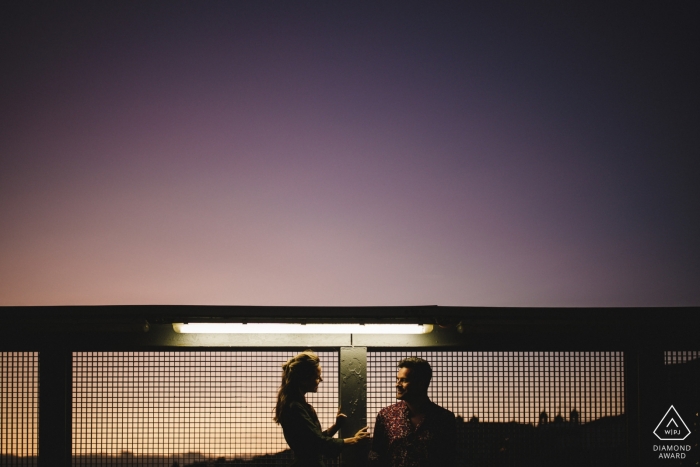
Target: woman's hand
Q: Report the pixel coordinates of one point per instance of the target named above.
(340, 418)
(362, 434)
(359, 436)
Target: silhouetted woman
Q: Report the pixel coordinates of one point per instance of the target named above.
(302, 430)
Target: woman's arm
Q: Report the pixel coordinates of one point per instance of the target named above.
(303, 434)
(361, 434)
(333, 429)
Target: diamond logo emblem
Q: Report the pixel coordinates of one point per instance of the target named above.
(672, 427)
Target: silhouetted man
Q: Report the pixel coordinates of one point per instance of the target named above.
(414, 432)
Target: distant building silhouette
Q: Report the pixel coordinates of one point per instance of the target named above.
(574, 417)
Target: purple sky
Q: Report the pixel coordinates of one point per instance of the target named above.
(327, 153)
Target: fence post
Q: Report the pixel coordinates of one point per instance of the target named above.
(651, 402)
(632, 407)
(353, 400)
(55, 387)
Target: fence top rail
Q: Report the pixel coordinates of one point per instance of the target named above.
(370, 314)
(476, 328)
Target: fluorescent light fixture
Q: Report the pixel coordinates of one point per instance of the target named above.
(296, 328)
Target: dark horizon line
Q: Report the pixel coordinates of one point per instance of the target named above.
(127, 453)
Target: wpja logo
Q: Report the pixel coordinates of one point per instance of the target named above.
(671, 428)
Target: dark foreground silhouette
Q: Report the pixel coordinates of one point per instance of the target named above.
(555, 441)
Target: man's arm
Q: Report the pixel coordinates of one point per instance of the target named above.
(451, 437)
(447, 440)
(378, 456)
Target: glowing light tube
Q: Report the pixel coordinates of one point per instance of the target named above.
(297, 328)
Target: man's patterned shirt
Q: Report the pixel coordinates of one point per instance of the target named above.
(397, 443)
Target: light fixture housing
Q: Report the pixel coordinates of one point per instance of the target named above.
(299, 328)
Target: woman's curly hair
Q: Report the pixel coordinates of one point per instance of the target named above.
(298, 368)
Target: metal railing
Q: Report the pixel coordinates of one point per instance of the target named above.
(101, 396)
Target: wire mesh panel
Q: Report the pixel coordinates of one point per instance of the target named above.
(19, 397)
(682, 378)
(521, 408)
(185, 408)
(675, 357)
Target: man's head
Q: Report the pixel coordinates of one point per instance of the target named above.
(413, 378)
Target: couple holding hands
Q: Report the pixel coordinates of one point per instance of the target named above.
(414, 432)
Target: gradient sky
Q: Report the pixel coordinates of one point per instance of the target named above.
(349, 153)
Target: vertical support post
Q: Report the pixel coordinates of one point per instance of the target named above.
(634, 432)
(353, 401)
(55, 388)
(651, 400)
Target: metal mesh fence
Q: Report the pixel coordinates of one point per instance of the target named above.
(521, 408)
(19, 401)
(196, 408)
(185, 408)
(674, 357)
(682, 377)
